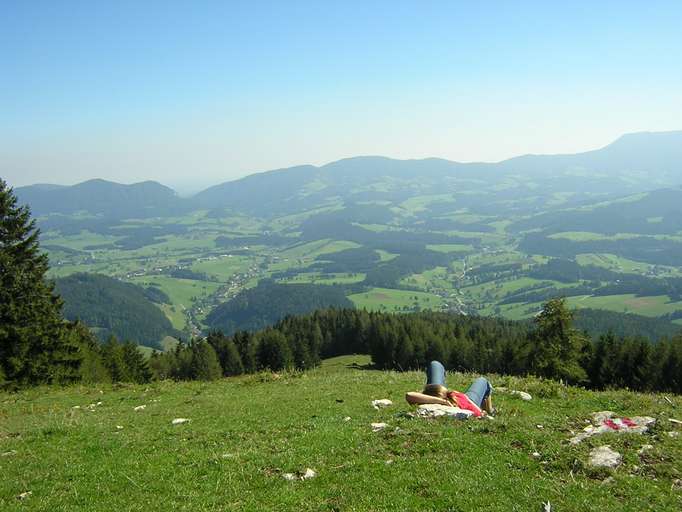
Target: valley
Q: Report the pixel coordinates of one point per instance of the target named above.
(394, 236)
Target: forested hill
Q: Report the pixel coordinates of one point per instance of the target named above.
(103, 198)
(269, 302)
(109, 306)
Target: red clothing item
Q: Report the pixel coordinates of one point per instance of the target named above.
(464, 402)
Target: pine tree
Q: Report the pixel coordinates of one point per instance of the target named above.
(34, 347)
(274, 352)
(112, 357)
(92, 367)
(136, 365)
(232, 363)
(557, 347)
(205, 364)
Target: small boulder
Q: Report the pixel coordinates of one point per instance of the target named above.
(605, 457)
(376, 427)
(379, 404)
(179, 421)
(139, 408)
(308, 473)
(522, 395)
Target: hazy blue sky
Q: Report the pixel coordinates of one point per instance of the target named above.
(193, 93)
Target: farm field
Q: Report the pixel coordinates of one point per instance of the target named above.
(384, 299)
(68, 457)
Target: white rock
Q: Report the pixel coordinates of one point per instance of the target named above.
(8, 454)
(522, 395)
(673, 434)
(24, 495)
(384, 402)
(601, 416)
(308, 473)
(605, 457)
(389, 461)
(437, 410)
(536, 455)
(76, 407)
(140, 408)
(289, 476)
(547, 507)
(180, 421)
(674, 421)
(119, 427)
(376, 427)
(540, 426)
(347, 418)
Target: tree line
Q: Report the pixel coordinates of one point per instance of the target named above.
(549, 347)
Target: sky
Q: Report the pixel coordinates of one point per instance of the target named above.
(195, 93)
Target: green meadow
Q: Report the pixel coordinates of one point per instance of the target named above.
(86, 448)
(386, 299)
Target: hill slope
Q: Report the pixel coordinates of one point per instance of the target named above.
(269, 302)
(245, 433)
(113, 307)
(102, 198)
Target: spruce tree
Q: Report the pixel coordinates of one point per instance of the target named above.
(205, 364)
(274, 352)
(34, 347)
(136, 365)
(112, 357)
(557, 347)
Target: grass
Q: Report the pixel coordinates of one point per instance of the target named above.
(222, 267)
(386, 299)
(620, 264)
(447, 248)
(648, 306)
(181, 291)
(245, 432)
(330, 278)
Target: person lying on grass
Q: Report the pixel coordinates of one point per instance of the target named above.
(476, 399)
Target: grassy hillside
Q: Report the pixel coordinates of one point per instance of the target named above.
(246, 432)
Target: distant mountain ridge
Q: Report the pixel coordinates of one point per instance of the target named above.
(633, 163)
(101, 197)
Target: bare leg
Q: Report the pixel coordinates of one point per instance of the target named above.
(488, 405)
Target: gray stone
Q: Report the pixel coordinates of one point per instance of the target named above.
(605, 457)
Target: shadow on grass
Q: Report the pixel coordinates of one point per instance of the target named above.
(356, 366)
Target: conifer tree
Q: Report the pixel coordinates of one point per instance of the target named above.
(274, 352)
(136, 365)
(557, 347)
(33, 345)
(204, 364)
(112, 357)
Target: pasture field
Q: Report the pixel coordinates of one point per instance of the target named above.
(438, 277)
(385, 299)
(620, 264)
(448, 248)
(628, 303)
(181, 291)
(244, 433)
(312, 250)
(222, 267)
(330, 278)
